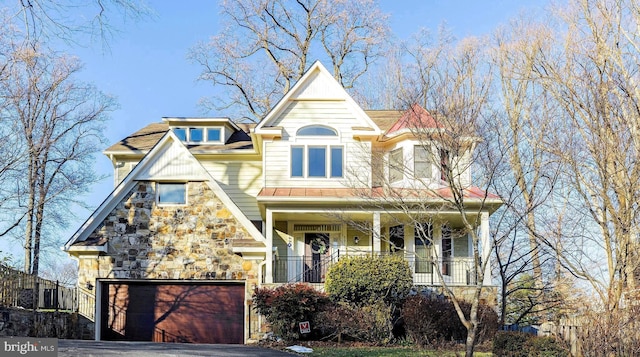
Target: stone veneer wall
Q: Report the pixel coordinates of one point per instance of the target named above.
(147, 241)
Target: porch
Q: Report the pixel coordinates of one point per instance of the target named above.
(456, 271)
(302, 245)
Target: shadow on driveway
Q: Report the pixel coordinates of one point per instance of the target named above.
(82, 348)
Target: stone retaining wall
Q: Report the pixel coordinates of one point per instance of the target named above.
(25, 323)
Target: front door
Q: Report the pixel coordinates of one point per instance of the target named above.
(316, 253)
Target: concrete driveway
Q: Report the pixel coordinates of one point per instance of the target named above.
(81, 348)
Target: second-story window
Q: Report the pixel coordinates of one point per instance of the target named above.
(422, 161)
(317, 158)
(396, 165)
(444, 164)
(317, 161)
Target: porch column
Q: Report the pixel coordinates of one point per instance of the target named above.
(268, 278)
(486, 246)
(377, 246)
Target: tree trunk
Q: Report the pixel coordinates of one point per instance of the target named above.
(471, 339)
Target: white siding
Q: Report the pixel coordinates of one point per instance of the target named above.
(173, 163)
(121, 170)
(241, 180)
(335, 114)
(320, 87)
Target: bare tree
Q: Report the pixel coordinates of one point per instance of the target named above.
(63, 271)
(456, 90)
(59, 126)
(593, 76)
(520, 136)
(70, 21)
(267, 45)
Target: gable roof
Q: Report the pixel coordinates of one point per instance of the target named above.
(156, 164)
(316, 84)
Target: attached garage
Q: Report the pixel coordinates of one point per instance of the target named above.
(172, 311)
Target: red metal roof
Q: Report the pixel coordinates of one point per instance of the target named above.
(415, 117)
(378, 192)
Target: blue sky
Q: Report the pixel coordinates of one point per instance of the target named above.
(147, 71)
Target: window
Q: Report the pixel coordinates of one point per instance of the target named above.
(317, 160)
(423, 244)
(316, 130)
(396, 238)
(172, 193)
(297, 161)
(213, 134)
(422, 161)
(444, 164)
(181, 133)
(446, 250)
(199, 134)
(196, 135)
(396, 165)
(336, 161)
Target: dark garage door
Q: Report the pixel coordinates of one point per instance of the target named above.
(175, 312)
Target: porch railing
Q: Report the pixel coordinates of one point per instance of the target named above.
(308, 269)
(454, 270)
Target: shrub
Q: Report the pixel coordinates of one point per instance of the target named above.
(287, 305)
(368, 280)
(369, 323)
(487, 320)
(546, 347)
(519, 344)
(431, 321)
(510, 344)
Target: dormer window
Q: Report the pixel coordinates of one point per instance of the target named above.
(181, 133)
(196, 135)
(214, 134)
(199, 135)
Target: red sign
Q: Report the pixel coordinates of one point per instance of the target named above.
(305, 327)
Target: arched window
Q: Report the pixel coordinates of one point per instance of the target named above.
(317, 130)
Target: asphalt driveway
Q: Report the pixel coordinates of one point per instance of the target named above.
(82, 348)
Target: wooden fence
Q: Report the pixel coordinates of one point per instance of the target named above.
(18, 289)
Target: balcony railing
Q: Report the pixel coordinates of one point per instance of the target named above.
(454, 271)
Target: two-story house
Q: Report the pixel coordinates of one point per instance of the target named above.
(204, 210)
